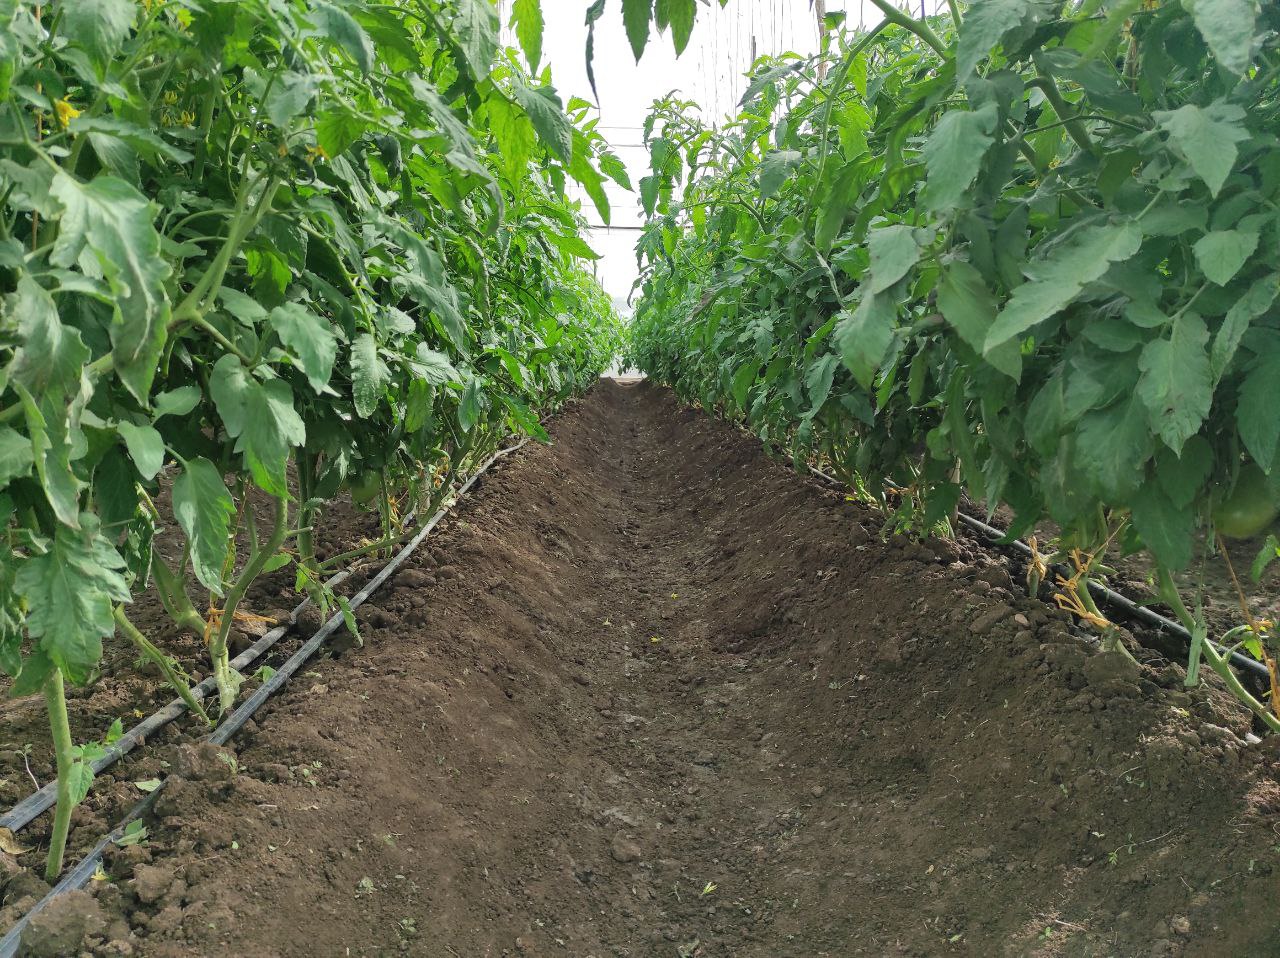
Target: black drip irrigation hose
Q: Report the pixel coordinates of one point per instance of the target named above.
(42, 799)
(1116, 600)
(84, 870)
(39, 801)
(1100, 592)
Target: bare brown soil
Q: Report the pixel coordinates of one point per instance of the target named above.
(651, 694)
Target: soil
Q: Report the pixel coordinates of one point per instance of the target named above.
(652, 694)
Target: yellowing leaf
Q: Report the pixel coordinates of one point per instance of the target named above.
(10, 844)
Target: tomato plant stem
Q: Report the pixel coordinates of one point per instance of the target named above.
(227, 686)
(162, 661)
(1217, 661)
(384, 543)
(308, 518)
(918, 27)
(56, 700)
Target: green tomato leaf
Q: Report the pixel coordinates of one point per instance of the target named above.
(1167, 530)
(340, 27)
(247, 310)
(204, 510)
(818, 381)
(894, 251)
(1207, 137)
(289, 96)
(967, 304)
(514, 133)
(418, 405)
(1222, 253)
(774, 170)
(469, 407)
(80, 778)
(228, 387)
(1183, 475)
(573, 245)
(1056, 280)
(336, 130)
(112, 221)
(1228, 28)
(1268, 554)
(636, 15)
(864, 335)
(262, 420)
(70, 591)
(743, 380)
(369, 375)
(1242, 312)
(273, 428)
(175, 402)
(475, 23)
(526, 17)
(310, 341)
(953, 154)
(1176, 383)
(435, 367)
(836, 203)
(679, 14)
(16, 457)
(580, 169)
(545, 111)
(1256, 406)
(51, 446)
(1112, 446)
(51, 356)
(115, 489)
(145, 446)
(98, 26)
(986, 23)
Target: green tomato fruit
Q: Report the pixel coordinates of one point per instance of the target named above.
(364, 488)
(1249, 509)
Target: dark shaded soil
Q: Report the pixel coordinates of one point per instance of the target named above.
(651, 694)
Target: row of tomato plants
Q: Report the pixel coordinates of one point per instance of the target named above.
(1023, 249)
(262, 250)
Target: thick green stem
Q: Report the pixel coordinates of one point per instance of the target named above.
(55, 697)
(1217, 661)
(308, 517)
(165, 664)
(918, 27)
(174, 598)
(384, 505)
(1075, 129)
(227, 686)
(383, 543)
(243, 223)
(1110, 635)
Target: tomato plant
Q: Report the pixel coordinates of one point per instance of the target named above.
(1020, 249)
(244, 242)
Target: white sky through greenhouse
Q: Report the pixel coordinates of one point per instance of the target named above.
(709, 72)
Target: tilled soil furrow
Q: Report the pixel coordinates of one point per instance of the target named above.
(652, 694)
